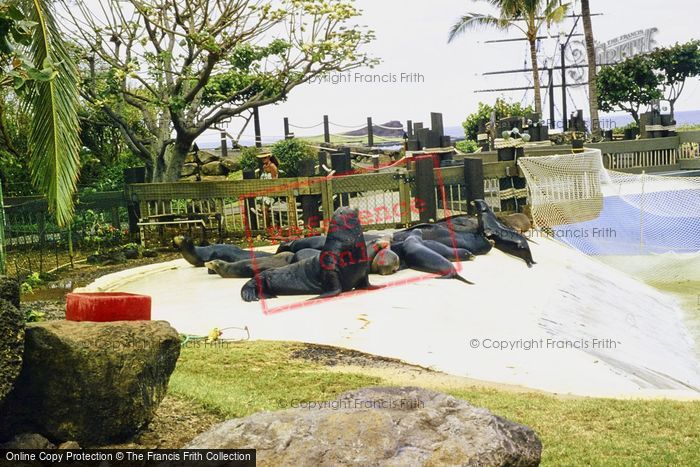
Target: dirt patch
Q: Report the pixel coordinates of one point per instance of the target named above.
(393, 371)
(333, 356)
(177, 422)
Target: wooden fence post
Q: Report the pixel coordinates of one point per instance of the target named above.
(425, 188)
(224, 145)
(287, 134)
(310, 204)
(326, 130)
(473, 180)
(256, 125)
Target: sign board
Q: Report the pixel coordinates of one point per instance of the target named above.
(628, 45)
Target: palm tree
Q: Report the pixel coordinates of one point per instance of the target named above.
(592, 70)
(528, 16)
(41, 60)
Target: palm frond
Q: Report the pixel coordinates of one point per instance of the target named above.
(54, 138)
(554, 12)
(474, 20)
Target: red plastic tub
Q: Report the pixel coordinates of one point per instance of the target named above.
(108, 306)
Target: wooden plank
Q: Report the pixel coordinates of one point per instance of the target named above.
(364, 182)
(641, 145)
(225, 189)
(689, 136)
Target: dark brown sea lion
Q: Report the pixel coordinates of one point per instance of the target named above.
(421, 258)
(342, 266)
(517, 221)
(507, 240)
(249, 267)
(198, 255)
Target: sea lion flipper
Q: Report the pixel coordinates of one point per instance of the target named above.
(458, 277)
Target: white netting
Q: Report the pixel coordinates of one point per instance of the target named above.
(623, 218)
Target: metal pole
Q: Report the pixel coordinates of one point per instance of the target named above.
(370, 132)
(564, 111)
(552, 124)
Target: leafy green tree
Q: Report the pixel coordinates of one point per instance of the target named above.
(677, 64)
(629, 85)
(527, 16)
(190, 65)
(502, 108)
(35, 62)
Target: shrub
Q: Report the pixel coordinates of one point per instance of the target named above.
(502, 108)
(290, 153)
(248, 158)
(467, 146)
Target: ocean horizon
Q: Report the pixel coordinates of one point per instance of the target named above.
(608, 121)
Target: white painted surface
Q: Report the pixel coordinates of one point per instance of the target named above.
(566, 297)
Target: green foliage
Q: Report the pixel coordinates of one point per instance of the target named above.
(503, 109)
(290, 153)
(33, 280)
(676, 64)
(35, 61)
(628, 85)
(184, 72)
(467, 146)
(621, 130)
(248, 159)
(33, 316)
(100, 233)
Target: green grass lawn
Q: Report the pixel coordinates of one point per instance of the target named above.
(249, 377)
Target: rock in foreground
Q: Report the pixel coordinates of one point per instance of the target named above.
(94, 383)
(380, 426)
(11, 346)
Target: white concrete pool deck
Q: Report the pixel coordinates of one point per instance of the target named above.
(622, 338)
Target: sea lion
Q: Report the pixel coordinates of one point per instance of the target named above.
(517, 221)
(450, 253)
(421, 258)
(302, 278)
(460, 223)
(198, 255)
(306, 253)
(507, 240)
(315, 243)
(428, 231)
(385, 262)
(344, 262)
(249, 267)
(342, 266)
(476, 243)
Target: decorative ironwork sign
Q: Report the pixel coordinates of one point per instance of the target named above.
(628, 45)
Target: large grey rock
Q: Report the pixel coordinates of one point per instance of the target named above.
(213, 168)
(11, 346)
(28, 441)
(188, 170)
(380, 426)
(205, 157)
(94, 383)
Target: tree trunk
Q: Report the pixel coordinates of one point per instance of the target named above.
(592, 68)
(180, 150)
(159, 171)
(536, 75)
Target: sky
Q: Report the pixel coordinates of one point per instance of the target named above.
(412, 38)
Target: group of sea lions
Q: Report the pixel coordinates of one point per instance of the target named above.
(342, 260)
